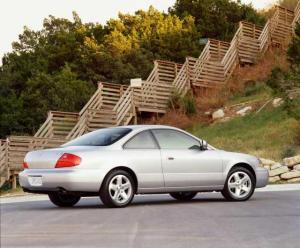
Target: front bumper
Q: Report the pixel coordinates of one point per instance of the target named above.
(262, 177)
(67, 179)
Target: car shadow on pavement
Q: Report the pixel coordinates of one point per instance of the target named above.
(95, 203)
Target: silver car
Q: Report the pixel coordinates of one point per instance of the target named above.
(117, 163)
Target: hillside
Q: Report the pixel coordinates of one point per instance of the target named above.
(270, 134)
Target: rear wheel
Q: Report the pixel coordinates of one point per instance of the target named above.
(183, 196)
(118, 189)
(240, 185)
(63, 200)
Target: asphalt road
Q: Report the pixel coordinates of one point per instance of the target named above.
(269, 219)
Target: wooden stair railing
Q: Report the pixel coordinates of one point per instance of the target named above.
(281, 25)
(296, 15)
(154, 94)
(94, 102)
(58, 125)
(121, 114)
(155, 99)
(125, 108)
(103, 100)
(4, 169)
(248, 43)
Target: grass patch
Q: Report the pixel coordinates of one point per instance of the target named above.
(268, 134)
(10, 191)
(256, 92)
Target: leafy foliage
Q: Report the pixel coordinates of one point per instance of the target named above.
(290, 4)
(217, 18)
(294, 48)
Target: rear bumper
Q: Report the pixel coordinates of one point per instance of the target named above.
(66, 179)
(262, 177)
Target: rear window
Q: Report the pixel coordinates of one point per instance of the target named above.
(102, 137)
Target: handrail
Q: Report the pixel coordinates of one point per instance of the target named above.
(3, 159)
(55, 123)
(94, 100)
(296, 14)
(45, 129)
(124, 106)
(264, 37)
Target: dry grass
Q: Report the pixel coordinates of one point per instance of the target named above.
(246, 75)
(178, 119)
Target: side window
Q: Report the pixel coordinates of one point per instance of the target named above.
(143, 140)
(172, 139)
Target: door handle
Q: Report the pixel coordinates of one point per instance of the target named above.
(170, 158)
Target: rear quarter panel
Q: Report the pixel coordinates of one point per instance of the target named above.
(146, 164)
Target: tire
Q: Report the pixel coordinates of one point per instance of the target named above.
(118, 189)
(63, 200)
(183, 196)
(240, 185)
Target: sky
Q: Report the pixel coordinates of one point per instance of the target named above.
(15, 14)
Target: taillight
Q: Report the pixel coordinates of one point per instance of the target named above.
(68, 160)
(25, 165)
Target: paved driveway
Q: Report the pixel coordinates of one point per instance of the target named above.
(269, 219)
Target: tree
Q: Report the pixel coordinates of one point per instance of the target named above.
(290, 4)
(217, 19)
(294, 48)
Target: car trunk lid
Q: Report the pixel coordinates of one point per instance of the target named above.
(46, 159)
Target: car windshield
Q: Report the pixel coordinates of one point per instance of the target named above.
(102, 137)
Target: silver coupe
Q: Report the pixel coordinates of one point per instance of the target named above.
(117, 163)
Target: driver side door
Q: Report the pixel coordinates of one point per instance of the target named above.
(185, 166)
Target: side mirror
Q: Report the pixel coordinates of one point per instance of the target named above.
(203, 146)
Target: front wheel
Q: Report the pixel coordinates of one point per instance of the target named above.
(183, 196)
(63, 200)
(240, 185)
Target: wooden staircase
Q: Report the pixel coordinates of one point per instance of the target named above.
(57, 125)
(97, 113)
(115, 104)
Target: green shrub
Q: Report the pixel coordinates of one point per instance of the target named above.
(276, 80)
(292, 107)
(185, 103)
(188, 104)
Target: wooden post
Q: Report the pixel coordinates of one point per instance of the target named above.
(121, 90)
(6, 159)
(219, 47)
(14, 180)
(133, 107)
(187, 71)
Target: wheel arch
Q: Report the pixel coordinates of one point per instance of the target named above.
(246, 166)
(128, 170)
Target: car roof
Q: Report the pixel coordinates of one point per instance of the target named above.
(143, 127)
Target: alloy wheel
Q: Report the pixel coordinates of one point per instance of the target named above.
(120, 189)
(239, 184)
